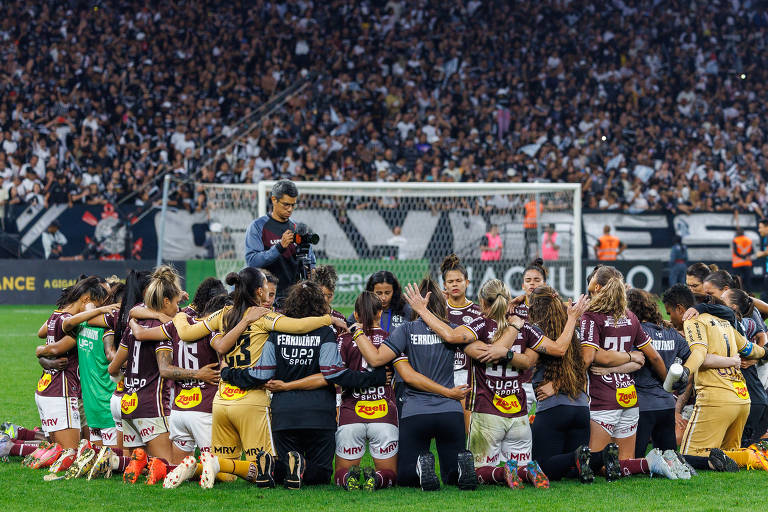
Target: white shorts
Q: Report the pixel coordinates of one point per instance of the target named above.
(530, 395)
(618, 423)
(382, 438)
(190, 429)
(106, 436)
(117, 414)
(140, 431)
(58, 413)
(460, 377)
(493, 439)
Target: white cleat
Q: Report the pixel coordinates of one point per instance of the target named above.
(210, 469)
(181, 473)
(658, 466)
(678, 468)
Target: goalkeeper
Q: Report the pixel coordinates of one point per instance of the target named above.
(269, 242)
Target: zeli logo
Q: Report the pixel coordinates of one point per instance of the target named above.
(507, 404)
(129, 403)
(44, 382)
(230, 392)
(626, 397)
(189, 398)
(371, 410)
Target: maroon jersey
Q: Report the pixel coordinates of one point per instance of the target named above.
(497, 388)
(147, 394)
(192, 395)
(521, 310)
(66, 382)
(336, 314)
(366, 405)
(190, 311)
(464, 315)
(603, 332)
(111, 320)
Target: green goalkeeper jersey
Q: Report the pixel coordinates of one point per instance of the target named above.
(97, 387)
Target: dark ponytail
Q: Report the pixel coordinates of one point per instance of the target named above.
(135, 284)
(721, 280)
(89, 285)
(246, 282)
(208, 289)
(367, 307)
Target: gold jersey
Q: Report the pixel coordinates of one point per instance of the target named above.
(718, 337)
(248, 347)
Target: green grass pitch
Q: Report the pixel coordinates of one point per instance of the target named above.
(24, 489)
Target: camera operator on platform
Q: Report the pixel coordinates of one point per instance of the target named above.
(269, 241)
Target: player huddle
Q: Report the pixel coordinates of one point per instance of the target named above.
(132, 383)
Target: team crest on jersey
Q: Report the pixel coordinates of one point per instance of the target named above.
(189, 398)
(371, 410)
(230, 392)
(627, 396)
(466, 319)
(507, 404)
(129, 403)
(741, 389)
(44, 382)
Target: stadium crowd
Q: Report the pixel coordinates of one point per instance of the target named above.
(652, 105)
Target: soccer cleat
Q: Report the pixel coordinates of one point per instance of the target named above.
(756, 459)
(136, 466)
(265, 469)
(156, 471)
(210, 468)
(682, 460)
(296, 467)
(5, 446)
(82, 464)
(369, 479)
(425, 468)
(64, 461)
(721, 462)
(657, 465)
(611, 461)
(181, 473)
(32, 457)
(678, 468)
(352, 479)
(510, 475)
(49, 457)
(540, 480)
(84, 443)
(10, 428)
(102, 464)
(583, 460)
(467, 477)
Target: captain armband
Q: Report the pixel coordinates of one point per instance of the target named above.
(747, 350)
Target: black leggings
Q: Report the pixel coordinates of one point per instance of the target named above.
(317, 446)
(416, 433)
(657, 427)
(757, 423)
(557, 432)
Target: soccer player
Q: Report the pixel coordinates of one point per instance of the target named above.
(609, 326)
(325, 276)
(367, 415)
(208, 289)
(297, 369)
(387, 288)
(272, 285)
(712, 439)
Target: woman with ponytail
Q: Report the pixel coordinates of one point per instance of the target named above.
(608, 327)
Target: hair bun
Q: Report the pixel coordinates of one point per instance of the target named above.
(539, 262)
(451, 262)
(165, 273)
(233, 279)
(713, 268)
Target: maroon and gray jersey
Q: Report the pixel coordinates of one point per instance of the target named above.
(603, 332)
(147, 394)
(464, 315)
(336, 314)
(192, 395)
(497, 388)
(66, 382)
(365, 405)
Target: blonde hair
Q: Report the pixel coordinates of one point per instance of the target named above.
(611, 299)
(496, 297)
(164, 283)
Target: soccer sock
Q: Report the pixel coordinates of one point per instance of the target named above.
(743, 457)
(119, 463)
(224, 477)
(596, 462)
(490, 475)
(634, 466)
(23, 434)
(339, 476)
(243, 468)
(385, 478)
(697, 462)
(22, 449)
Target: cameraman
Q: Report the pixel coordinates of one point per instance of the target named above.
(269, 240)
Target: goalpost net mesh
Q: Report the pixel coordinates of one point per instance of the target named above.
(408, 230)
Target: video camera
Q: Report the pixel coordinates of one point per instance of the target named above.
(304, 237)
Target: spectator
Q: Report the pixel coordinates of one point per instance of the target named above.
(678, 262)
(491, 247)
(53, 241)
(398, 240)
(741, 257)
(550, 251)
(608, 247)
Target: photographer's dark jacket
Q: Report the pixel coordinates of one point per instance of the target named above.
(263, 250)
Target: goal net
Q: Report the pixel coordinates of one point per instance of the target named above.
(408, 228)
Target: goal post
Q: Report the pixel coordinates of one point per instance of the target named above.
(408, 228)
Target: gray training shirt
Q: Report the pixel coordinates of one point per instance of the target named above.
(672, 348)
(430, 356)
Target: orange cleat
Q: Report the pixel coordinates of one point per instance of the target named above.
(136, 466)
(49, 457)
(156, 471)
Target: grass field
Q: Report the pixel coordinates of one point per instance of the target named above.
(24, 489)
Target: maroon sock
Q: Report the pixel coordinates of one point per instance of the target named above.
(490, 475)
(522, 472)
(22, 449)
(124, 461)
(116, 451)
(634, 466)
(23, 434)
(385, 478)
(339, 476)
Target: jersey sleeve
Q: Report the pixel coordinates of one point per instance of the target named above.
(282, 323)
(532, 336)
(169, 329)
(479, 329)
(193, 332)
(640, 338)
(331, 364)
(344, 343)
(740, 340)
(398, 340)
(681, 347)
(590, 334)
(695, 333)
(267, 364)
(124, 339)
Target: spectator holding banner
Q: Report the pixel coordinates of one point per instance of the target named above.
(269, 240)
